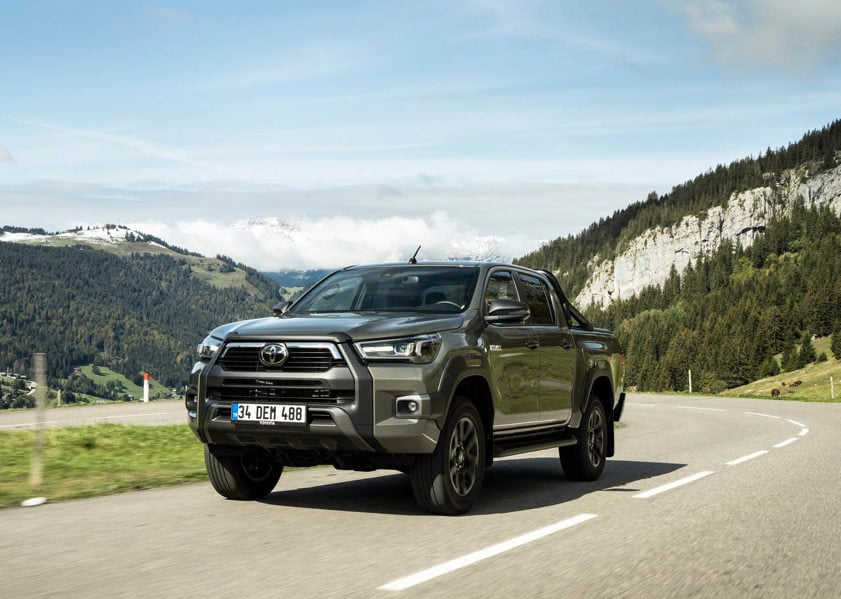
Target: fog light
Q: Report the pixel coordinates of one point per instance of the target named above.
(409, 407)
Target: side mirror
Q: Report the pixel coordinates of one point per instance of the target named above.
(507, 310)
(281, 308)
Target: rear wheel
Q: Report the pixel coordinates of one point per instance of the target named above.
(252, 475)
(585, 460)
(448, 480)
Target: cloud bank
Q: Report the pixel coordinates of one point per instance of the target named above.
(303, 243)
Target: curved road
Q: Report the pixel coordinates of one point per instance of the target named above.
(707, 497)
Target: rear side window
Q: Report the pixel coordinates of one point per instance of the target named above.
(536, 295)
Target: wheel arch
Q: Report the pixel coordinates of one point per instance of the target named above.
(601, 390)
(477, 390)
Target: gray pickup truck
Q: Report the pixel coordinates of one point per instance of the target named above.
(431, 368)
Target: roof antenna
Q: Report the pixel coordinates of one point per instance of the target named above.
(414, 258)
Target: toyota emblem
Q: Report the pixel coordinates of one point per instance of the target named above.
(274, 354)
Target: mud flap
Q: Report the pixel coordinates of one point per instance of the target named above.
(617, 409)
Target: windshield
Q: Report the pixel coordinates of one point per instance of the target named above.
(410, 288)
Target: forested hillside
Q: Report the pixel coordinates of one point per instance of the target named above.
(734, 315)
(727, 317)
(132, 313)
(571, 256)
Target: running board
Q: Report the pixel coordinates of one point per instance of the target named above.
(524, 444)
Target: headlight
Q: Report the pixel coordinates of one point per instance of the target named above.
(208, 348)
(420, 350)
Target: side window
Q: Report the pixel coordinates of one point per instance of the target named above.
(500, 286)
(536, 295)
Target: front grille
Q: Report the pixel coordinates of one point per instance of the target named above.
(303, 357)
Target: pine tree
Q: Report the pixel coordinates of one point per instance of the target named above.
(769, 367)
(807, 354)
(788, 361)
(835, 346)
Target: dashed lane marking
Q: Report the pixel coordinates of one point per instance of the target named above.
(673, 485)
(467, 560)
(745, 458)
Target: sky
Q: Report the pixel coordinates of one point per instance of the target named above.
(355, 131)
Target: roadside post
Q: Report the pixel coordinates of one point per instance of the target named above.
(36, 466)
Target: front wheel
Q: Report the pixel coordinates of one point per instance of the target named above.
(448, 480)
(252, 475)
(585, 460)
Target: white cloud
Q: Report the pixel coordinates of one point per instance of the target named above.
(776, 33)
(330, 226)
(303, 243)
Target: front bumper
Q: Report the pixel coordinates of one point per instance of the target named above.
(351, 406)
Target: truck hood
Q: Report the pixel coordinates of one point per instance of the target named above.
(343, 327)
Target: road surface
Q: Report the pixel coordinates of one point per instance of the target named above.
(706, 497)
(151, 413)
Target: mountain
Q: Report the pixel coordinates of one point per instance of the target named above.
(116, 298)
(649, 258)
(297, 278)
(576, 257)
(730, 275)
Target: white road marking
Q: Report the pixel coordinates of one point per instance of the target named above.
(764, 415)
(804, 432)
(786, 442)
(644, 405)
(702, 409)
(673, 485)
(800, 424)
(745, 458)
(467, 560)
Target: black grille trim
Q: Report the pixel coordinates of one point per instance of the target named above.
(303, 357)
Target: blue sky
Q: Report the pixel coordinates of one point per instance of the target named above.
(372, 127)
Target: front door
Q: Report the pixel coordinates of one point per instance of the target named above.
(514, 360)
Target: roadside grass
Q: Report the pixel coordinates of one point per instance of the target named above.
(106, 375)
(814, 381)
(98, 460)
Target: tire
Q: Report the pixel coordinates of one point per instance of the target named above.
(449, 480)
(252, 475)
(585, 460)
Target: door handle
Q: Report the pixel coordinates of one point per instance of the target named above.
(532, 344)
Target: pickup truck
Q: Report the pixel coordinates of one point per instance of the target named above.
(433, 369)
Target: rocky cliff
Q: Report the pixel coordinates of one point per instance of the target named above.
(649, 258)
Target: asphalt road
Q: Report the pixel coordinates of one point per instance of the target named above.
(136, 412)
(707, 497)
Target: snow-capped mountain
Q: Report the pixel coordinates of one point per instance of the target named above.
(99, 235)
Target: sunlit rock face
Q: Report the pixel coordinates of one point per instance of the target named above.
(649, 258)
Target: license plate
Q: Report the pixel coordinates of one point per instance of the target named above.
(269, 413)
